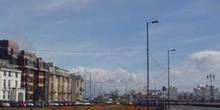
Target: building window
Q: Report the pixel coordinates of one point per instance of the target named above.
(52, 87)
(30, 88)
(8, 95)
(16, 83)
(9, 73)
(16, 74)
(9, 84)
(4, 84)
(3, 94)
(4, 73)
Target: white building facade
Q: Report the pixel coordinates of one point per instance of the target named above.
(59, 84)
(76, 87)
(204, 92)
(10, 83)
(173, 93)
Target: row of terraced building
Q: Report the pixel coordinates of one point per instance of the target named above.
(41, 80)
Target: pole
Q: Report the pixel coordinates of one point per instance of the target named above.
(168, 86)
(155, 88)
(139, 92)
(94, 94)
(90, 94)
(211, 89)
(148, 86)
(211, 77)
(147, 68)
(125, 92)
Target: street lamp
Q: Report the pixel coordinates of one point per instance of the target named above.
(168, 86)
(148, 62)
(211, 77)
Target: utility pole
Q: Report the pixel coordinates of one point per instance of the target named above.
(155, 88)
(90, 94)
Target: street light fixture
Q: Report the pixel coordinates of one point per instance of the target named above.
(148, 62)
(211, 77)
(168, 86)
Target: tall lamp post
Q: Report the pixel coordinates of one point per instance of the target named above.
(148, 62)
(168, 86)
(211, 77)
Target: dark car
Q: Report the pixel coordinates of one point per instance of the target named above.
(13, 104)
(37, 104)
(70, 103)
(64, 103)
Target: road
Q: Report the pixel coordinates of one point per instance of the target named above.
(183, 107)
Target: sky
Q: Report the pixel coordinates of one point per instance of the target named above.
(107, 39)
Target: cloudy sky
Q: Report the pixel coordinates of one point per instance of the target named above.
(107, 38)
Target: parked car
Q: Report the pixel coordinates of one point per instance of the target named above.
(21, 104)
(4, 104)
(13, 104)
(86, 102)
(78, 103)
(37, 104)
(52, 103)
(29, 104)
(70, 103)
(65, 103)
(59, 103)
(109, 101)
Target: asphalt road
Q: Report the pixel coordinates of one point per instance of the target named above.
(182, 107)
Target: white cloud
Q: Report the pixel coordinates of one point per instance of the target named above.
(194, 72)
(110, 79)
(207, 61)
(185, 77)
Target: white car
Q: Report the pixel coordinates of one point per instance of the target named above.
(5, 104)
(29, 104)
(78, 103)
(86, 102)
(108, 102)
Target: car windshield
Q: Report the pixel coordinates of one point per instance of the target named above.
(85, 101)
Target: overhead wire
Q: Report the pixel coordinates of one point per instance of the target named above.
(157, 62)
(90, 51)
(160, 75)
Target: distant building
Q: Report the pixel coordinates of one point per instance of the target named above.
(10, 80)
(203, 92)
(59, 84)
(173, 93)
(34, 73)
(141, 95)
(77, 87)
